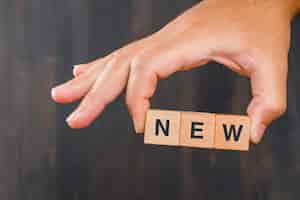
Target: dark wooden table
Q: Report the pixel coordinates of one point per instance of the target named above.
(41, 158)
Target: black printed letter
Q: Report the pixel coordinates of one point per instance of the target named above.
(194, 129)
(232, 129)
(159, 124)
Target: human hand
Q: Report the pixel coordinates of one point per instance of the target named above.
(249, 37)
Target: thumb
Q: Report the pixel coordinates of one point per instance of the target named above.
(269, 98)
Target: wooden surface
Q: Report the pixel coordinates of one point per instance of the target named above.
(162, 127)
(197, 129)
(232, 132)
(41, 159)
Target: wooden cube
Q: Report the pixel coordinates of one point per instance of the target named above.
(232, 132)
(162, 127)
(197, 129)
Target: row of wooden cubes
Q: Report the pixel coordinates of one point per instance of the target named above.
(197, 129)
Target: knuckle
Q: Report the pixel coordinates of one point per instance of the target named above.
(282, 108)
(136, 63)
(113, 63)
(139, 65)
(276, 107)
(117, 59)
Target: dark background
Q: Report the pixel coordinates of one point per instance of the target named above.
(42, 159)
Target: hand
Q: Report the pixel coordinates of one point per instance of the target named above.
(249, 37)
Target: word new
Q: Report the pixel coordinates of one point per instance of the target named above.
(197, 129)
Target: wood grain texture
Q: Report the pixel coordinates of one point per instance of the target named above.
(197, 129)
(232, 132)
(40, 158)
(162, 127)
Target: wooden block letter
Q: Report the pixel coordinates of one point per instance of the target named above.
(232, 132)
(162, 127)
(197, 129)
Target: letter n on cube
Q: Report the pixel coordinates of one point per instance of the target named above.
(162, 127)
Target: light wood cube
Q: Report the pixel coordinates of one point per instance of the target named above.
(197, 129)
(162, 127)
(232, 132)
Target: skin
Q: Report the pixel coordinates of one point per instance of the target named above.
(250, 37)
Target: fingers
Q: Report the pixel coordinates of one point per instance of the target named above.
(80, 69)
(140, 89)
(80, 85)
(107, 87)
(154, 61)
(269, 99)
(158, 62)
(75, 88)
(111, 77)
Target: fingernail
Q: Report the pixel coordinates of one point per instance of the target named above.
(137, 128)
(72, 117)
(75, 69)
(258, 133)
(74, 66)
(137, 131)
(53, 92)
